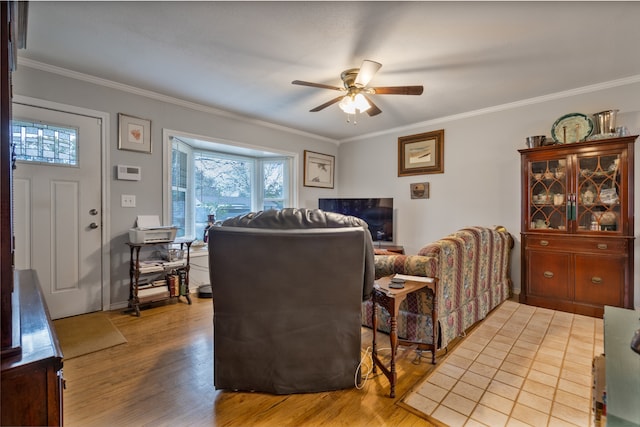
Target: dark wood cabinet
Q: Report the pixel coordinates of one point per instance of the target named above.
(577, 225)
(31, 381)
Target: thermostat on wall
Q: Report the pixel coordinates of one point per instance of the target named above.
(129, 173)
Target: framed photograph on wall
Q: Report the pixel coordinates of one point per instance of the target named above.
(318, 169)
(421, 154)
(419, 190)
(134, 133)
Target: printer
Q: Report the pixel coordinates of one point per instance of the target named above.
(149, 230)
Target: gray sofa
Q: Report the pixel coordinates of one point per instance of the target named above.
(287, 287)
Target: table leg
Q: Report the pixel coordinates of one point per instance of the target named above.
(393, 336)
(187, 268)
(435, 330)
(374, 323)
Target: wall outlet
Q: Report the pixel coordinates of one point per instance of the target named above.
(128, 201)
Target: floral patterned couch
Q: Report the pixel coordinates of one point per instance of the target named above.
(472, 268)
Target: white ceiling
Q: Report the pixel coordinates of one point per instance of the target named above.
(241, 56)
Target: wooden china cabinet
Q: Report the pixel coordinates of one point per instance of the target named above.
(577, 225)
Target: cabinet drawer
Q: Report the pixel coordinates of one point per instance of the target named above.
(548, 275)
(600, 280)
(600, 246)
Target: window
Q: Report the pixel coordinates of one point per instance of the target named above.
(275, 179)
(206, 182)
(43, 143)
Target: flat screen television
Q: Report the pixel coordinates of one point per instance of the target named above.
(376, 212)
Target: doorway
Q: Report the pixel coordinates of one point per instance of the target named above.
(59, 215)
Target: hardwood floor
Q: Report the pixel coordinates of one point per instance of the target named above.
(163, 376)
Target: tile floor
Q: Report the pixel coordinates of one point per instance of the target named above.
(522, 366)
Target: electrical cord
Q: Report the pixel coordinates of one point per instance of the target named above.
(365, 376)
(367, 357)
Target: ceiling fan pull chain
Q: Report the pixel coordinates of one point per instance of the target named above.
(349, 118)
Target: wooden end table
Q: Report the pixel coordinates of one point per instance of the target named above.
(391, 299)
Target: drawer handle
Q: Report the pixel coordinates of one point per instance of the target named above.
(596, 280)
(602, 246)
(548, 274)
(544, 243)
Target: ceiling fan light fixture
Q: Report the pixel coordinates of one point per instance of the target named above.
(347, 105)
(361, 103)
(351, 103)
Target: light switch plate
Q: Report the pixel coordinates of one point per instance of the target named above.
(128, 201)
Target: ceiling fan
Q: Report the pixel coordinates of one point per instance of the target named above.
(355, 90)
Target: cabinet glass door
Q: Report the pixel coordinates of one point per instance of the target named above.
(548, 190)
(598, 193)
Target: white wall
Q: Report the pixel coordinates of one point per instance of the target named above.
(481, 180)
(83, 92)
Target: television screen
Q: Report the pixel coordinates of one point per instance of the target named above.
(377, 213)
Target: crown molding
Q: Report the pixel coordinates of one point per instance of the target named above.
(223, 113)
(508, 106)
(163, 98)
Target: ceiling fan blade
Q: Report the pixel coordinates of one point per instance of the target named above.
(367, 70)
(374, 110)
(319, 85)
(326, 104)
(398, 90)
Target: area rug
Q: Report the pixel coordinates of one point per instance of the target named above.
(523, 365)
(87, 333)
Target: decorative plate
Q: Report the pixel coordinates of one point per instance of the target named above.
(572, 127)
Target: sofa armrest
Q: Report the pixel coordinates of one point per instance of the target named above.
(413, 265)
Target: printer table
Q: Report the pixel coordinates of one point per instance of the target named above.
(160, 292)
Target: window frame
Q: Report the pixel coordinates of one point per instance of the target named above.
(224, 149)
(188, 216)
(286, 178)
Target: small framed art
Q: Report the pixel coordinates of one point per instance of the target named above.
(134, 133)
(419, 190)
(421, 154)
(318, 169)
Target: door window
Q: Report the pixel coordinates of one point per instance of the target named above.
(44, 143)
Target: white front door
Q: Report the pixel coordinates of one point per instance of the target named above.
(58, 216)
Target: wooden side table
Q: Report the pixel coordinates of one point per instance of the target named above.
(391, 300)
(392, 248)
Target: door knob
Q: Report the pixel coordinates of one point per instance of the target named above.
(93, 212)
(93, 226)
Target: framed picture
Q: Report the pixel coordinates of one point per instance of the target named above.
(419, 190)
(318, 169)
(134, 133)
(421, 154)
